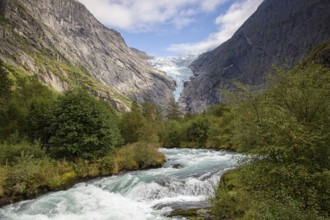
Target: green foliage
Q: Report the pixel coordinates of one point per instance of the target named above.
(218, 110)
(81, 127)
(26, 106)
(74, 126)
(106, 165)
(142, 125)
(196, 131)
(221, 131)
(152, 112)
(288, 122)
(30, 176)
(137, 156)
(171, 136)
(286, 127)
(131, 123)
(173, 111)
(86, 168)
(211, 129)
(5, 86)
(12, 153)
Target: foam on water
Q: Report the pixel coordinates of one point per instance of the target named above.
(140, 195)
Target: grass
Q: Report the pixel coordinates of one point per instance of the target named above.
(32, 173)
(137, 156)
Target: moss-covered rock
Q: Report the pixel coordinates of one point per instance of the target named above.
(192, 214)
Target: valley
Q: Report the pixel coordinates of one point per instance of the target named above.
(93, 127)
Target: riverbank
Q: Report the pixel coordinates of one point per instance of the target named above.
(192, 214)
(32, 177)
(139, 195)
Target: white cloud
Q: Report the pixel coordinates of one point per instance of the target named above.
(148, 15)
(210, 5)
(228, 23)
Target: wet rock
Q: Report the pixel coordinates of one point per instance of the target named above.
(177, 166)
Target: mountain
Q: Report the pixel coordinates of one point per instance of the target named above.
(143, 55)
(65, 46)
(280, 32)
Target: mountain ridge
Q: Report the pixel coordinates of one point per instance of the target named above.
(62, 43)
(279, 33)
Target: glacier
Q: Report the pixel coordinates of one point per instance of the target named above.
(177, 68)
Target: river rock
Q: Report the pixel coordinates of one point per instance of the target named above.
(177, 166)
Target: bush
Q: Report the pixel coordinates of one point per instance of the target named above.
(171, 136)
(86, 169)
(12, 153)
(137, 156)
(26, 107)
(221, 132)
(106, 165)
(3, 177)
(196, 131)
(286, 128)
(81, 127)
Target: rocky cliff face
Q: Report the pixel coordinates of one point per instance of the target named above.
(143, 55)
(279, 33)
(61, 42)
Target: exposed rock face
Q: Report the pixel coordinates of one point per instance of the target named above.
(279, 33)
(64, 35)
(143, 55)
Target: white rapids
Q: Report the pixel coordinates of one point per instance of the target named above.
(139, 195)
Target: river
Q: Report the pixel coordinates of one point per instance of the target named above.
(139, 195)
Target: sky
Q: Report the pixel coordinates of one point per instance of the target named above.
(173, 27)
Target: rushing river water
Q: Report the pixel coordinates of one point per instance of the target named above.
(139, 195)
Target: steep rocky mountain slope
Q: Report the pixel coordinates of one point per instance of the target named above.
(280, 32)
(143, 55)
(61, 42)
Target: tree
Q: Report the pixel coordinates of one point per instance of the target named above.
(173, 112)
(286, 127)
(81, 127)
(171, 136)
(131, 123)
(24, 109)
(5, 85)
(151, 111)
(197, 131)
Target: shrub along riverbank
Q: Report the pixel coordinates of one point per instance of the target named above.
(286, 129)
(49, 141)
(31, 172)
